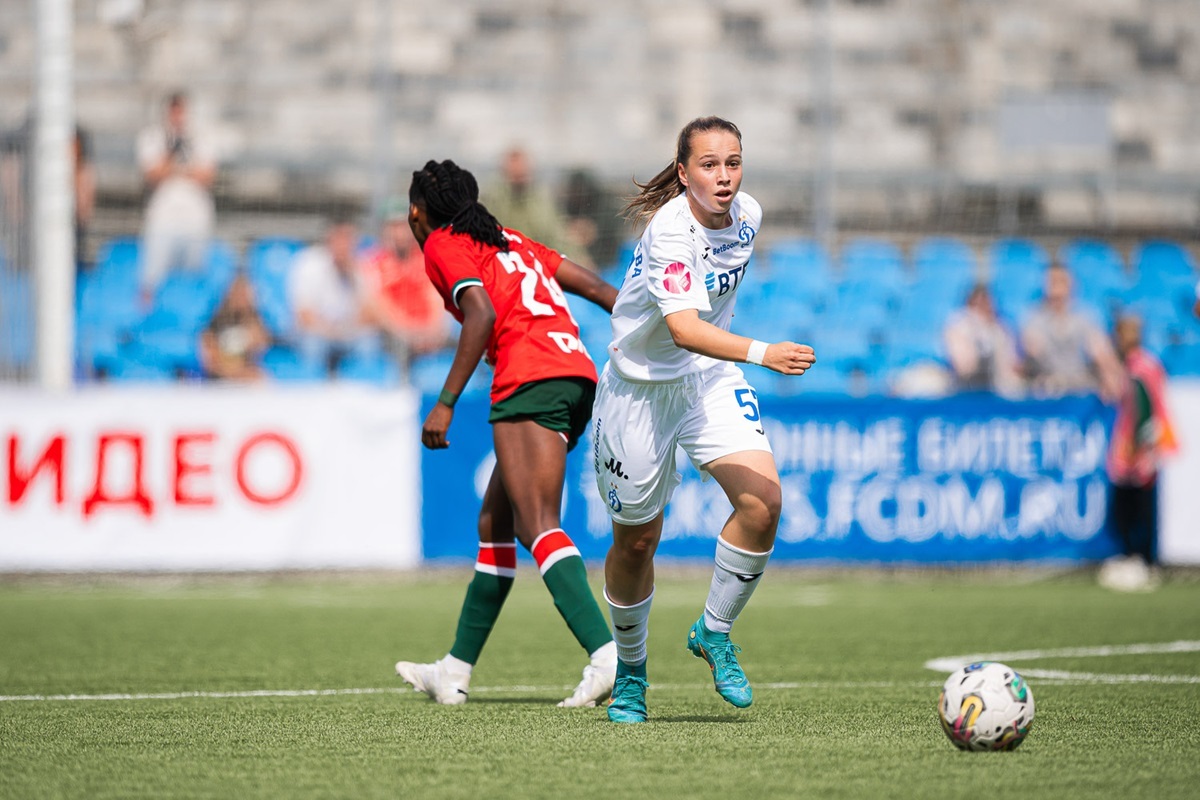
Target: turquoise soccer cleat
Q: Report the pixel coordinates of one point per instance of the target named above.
(721, 655)
(629, 694)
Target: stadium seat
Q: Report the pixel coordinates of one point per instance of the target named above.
(1009, 256)
(798, 262)
(943, 257)
(870, 260)
(428, 374)
(1182, 359)
(1166, 260)
(1092, 260)
(16, 319)
(378, 368)
(267, 264)
(282, 363)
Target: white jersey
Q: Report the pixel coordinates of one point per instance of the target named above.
(679, 264)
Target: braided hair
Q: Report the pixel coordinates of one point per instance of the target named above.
(665, 186)
(450, 196)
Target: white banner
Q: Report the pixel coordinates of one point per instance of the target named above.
(209, 478)
(1179, 491)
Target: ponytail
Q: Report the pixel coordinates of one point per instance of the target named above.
(665, 186)
(450, 196)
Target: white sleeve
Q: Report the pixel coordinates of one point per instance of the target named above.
(675, 283)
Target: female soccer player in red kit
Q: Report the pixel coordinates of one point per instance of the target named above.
(506, 290)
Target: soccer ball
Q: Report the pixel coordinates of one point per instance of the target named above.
(986, 706)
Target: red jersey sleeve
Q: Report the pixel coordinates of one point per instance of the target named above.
(450, 266)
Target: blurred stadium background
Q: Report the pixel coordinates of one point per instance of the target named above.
(903, 150)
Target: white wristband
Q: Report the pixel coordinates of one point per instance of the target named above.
(756, 353)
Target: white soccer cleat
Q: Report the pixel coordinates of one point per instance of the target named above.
(436, 681)
(597, 683)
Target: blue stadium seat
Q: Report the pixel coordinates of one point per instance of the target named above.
(1018, 268)
(1166, 280)
(267, 263)
(798, 262)
(944, 257)
(1166, 260)
(428, 374)
(1182, 359)
(871, 260)
(17, 319)
(1009, 257)
(1093, 261)
(821, 379)
(282, 363)
(133, 369)
(907, 346)
(377, 368)
(117, 262)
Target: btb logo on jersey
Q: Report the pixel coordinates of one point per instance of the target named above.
(678, 280)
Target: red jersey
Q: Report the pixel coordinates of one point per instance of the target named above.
(535, 337)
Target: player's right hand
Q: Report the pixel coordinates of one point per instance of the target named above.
(433, 432)
(789, 358)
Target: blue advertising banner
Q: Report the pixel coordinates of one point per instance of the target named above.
(971, 478)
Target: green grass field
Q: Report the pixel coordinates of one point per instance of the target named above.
(844, 706)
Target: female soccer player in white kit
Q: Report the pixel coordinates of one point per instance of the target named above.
(671, 381)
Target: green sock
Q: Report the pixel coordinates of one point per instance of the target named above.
(485, 597)
(567, 581)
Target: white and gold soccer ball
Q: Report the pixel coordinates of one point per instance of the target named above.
(986, 706)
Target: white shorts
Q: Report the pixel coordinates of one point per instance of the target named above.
(637, 426)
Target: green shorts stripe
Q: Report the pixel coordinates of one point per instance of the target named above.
(560, 404)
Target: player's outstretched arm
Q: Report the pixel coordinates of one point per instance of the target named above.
(479, 316)
(583, 282)
(697, 336)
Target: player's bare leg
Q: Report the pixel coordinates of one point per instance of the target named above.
(751, 482)
(531, 461)
(448, 680)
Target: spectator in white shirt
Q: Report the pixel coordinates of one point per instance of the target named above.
(333, 313)
(179, 168)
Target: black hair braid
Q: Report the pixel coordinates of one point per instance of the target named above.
(450, 196)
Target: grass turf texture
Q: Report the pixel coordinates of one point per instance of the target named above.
(860, 723)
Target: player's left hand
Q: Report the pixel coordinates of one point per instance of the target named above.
(433, 432)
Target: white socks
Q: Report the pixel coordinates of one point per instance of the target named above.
(734, 578)
(630, 628)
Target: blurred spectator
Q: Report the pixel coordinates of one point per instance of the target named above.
(594, 223)
(334, 318)
(233, 342)
(179, 168)
(16, 176)
(85, 194)
(981, 349)
(1066, 353)
(1142, 436)
(404, 302)
(523, 206)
